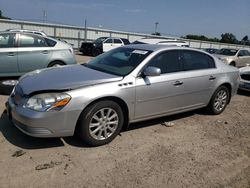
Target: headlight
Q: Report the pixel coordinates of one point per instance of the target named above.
(47, 101)
(224, 60)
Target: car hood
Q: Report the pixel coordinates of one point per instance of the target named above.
(220, 56)
(63, 78)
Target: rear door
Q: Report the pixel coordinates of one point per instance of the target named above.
(199, 75)
(33, 52)
(8, 54)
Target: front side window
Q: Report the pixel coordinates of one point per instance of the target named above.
(192, 60)
(117, 41)
(7, 40)
(167, 61)
(120, 61)
(31, 41)
(108, 41)
(241, 53)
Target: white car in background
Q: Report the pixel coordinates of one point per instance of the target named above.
(234, 57)
(170, 42)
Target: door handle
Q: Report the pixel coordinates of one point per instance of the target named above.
(212, 78)
(11, 54)
(178, 83)
(45, 52)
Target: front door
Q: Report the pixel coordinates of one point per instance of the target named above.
(159, 94)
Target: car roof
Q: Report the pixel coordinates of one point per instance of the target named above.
(153, 47)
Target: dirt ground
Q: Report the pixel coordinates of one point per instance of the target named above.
(192, 149)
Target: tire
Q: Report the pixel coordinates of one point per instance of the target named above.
(56, 64)
(94, 126)
(219, 100)
(96, 52)
(6, 86)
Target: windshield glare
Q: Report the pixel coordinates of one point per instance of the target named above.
(120, 61)
(228, 52)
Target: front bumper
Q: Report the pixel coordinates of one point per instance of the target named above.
(42, 124)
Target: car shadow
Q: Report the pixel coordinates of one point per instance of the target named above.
(243, 92)
(19, 139)
(162, 120)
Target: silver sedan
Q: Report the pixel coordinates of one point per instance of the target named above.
(125, 85)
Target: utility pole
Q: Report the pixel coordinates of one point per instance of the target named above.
(156, 24)
(85, 30)
(44, 16)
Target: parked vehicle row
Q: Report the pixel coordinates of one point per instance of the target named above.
(234, 57)
(128, 84)
(102, 44)
(159, 41)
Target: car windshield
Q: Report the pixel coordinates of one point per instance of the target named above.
(228, 52)
(120, 61)
(99, 40)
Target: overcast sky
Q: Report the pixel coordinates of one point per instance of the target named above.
(175, 17)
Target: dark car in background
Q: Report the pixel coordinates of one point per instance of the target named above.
(102, 44)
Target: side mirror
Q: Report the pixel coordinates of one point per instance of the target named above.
(152, 71)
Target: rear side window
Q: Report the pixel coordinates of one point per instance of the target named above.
(167, 61)
(192, 60)
(108, 41)
(125, 41)
(31, 41)
(7, 40)
(51, 43)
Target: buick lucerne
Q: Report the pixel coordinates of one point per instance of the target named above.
(128, 84)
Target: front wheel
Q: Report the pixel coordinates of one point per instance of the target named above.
(219, 100)
(96, 52)
(100, 123)
(56, 64)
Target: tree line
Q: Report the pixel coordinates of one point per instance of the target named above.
(225, 38)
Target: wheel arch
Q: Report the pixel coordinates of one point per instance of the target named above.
(232, 63)
(56, 61)
(228, 85)
(118, 100)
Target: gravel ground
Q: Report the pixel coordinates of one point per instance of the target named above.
(192, 149)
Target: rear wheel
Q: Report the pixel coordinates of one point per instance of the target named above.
(219, 100)
(100, 123)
